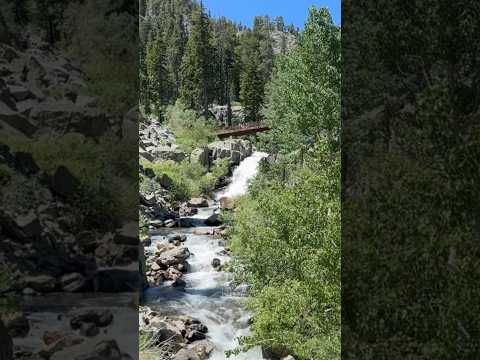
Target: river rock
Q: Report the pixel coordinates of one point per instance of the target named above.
(173, 257)
(216, 263)
(186, 354)
(203, 232)
(198, 202)
(63, 343)
(169, 223)
(194, 335)
(227, 203)
(16, 324)
(173, 274)
(183, 267)
(186, 210)
(72, 282)
(203, 348)
(213, 220)
(49, 337)
(179, 283)
(177, 237)
(289, 357)
(40, 283)
(89, 329)
(99, 317)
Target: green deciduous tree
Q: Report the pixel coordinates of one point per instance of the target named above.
(303, 98)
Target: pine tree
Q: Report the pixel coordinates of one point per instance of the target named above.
(157, 74)
(252, 89)
(280, 23)
(195, 71)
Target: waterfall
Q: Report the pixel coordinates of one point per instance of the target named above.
(244, 172)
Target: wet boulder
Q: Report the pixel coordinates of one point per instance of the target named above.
(202, 348)
(213, 220)
(179, 283)
(72, 282)
(177, 237)
(227, 203)
(198, 202)
(173, 256)
(216, 263)
(99, 317)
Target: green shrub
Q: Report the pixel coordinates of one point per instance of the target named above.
(286, 235)
(191, 131)
(189, 178)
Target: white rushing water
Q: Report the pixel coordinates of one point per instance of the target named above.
(208, 296)
(244, 172)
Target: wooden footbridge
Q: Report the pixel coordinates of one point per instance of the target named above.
(242, 129)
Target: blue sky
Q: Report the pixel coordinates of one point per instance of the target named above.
(293, 11)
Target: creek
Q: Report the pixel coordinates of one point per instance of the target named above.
(209, 295)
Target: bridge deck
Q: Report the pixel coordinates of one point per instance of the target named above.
(240, 131)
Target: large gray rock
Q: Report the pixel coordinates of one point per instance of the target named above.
(233, 149)
(166, 153)
(186, 354)
(173, 257)
(99, 317)
(202, 348)
(198, 202)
